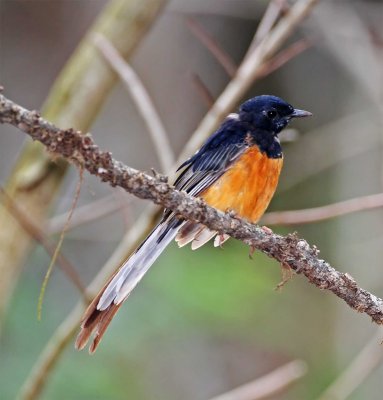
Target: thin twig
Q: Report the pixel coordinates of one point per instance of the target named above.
(269, 18)
(289, 251)
(267, 67)
(283, 57)
(56, 344)
(35, 232)
(366, 361)
(142, 100)
(212, 45)
(247, 73)
(59, 245)
(203, 90)
(323, 213)
(88, 212)
(268, 385)
(123, 200)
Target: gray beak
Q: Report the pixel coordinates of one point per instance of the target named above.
(300, 113)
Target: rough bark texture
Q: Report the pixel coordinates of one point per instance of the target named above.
(290, 251)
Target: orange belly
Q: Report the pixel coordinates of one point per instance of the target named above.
(247, 187)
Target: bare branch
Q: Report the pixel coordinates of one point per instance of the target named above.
(203, 90)
(268, 385)
(142, 99)
(35, 232)
(212, 45)
(265, 69)
(316, 214)
(56, 344)
(269, 18)
(366, 361)
(289, 251)
(89, 212)
(283, 57)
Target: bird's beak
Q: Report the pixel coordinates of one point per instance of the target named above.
(300, 113)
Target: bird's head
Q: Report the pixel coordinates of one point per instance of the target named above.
(269, 113)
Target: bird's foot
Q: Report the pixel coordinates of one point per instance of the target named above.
(251, 251)
(287, 274)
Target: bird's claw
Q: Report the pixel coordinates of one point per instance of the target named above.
(287, 274)
(251, 251)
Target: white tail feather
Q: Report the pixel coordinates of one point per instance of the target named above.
(220, 239)
(139, 263)
(188, 233)
(202, 237)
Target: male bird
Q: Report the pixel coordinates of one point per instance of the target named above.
(236, 169)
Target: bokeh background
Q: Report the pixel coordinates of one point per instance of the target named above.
(202, 323)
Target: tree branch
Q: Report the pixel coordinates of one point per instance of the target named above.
(37, 234)
(83, 214)
(212, 45)
(357, 371)
(290, 251)
(142, 100)
(268, 385)
(323, 213)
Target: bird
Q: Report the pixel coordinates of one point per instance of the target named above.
(237, 169)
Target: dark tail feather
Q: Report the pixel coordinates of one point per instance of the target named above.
(96, 322)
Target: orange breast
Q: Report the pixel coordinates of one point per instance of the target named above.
(247, 187)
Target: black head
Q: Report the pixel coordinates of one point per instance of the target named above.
(269, 113)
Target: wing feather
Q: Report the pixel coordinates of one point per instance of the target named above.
(207, 168)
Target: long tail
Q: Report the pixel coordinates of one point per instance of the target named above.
(105, 305)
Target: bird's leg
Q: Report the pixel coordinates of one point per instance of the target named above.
(251, 251)
(287, 274)
(220, 239)
(268, 231)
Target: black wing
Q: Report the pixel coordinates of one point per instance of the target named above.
(214, 158)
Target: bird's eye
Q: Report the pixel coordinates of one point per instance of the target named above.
(271, 114)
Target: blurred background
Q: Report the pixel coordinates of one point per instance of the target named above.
(202, 323)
